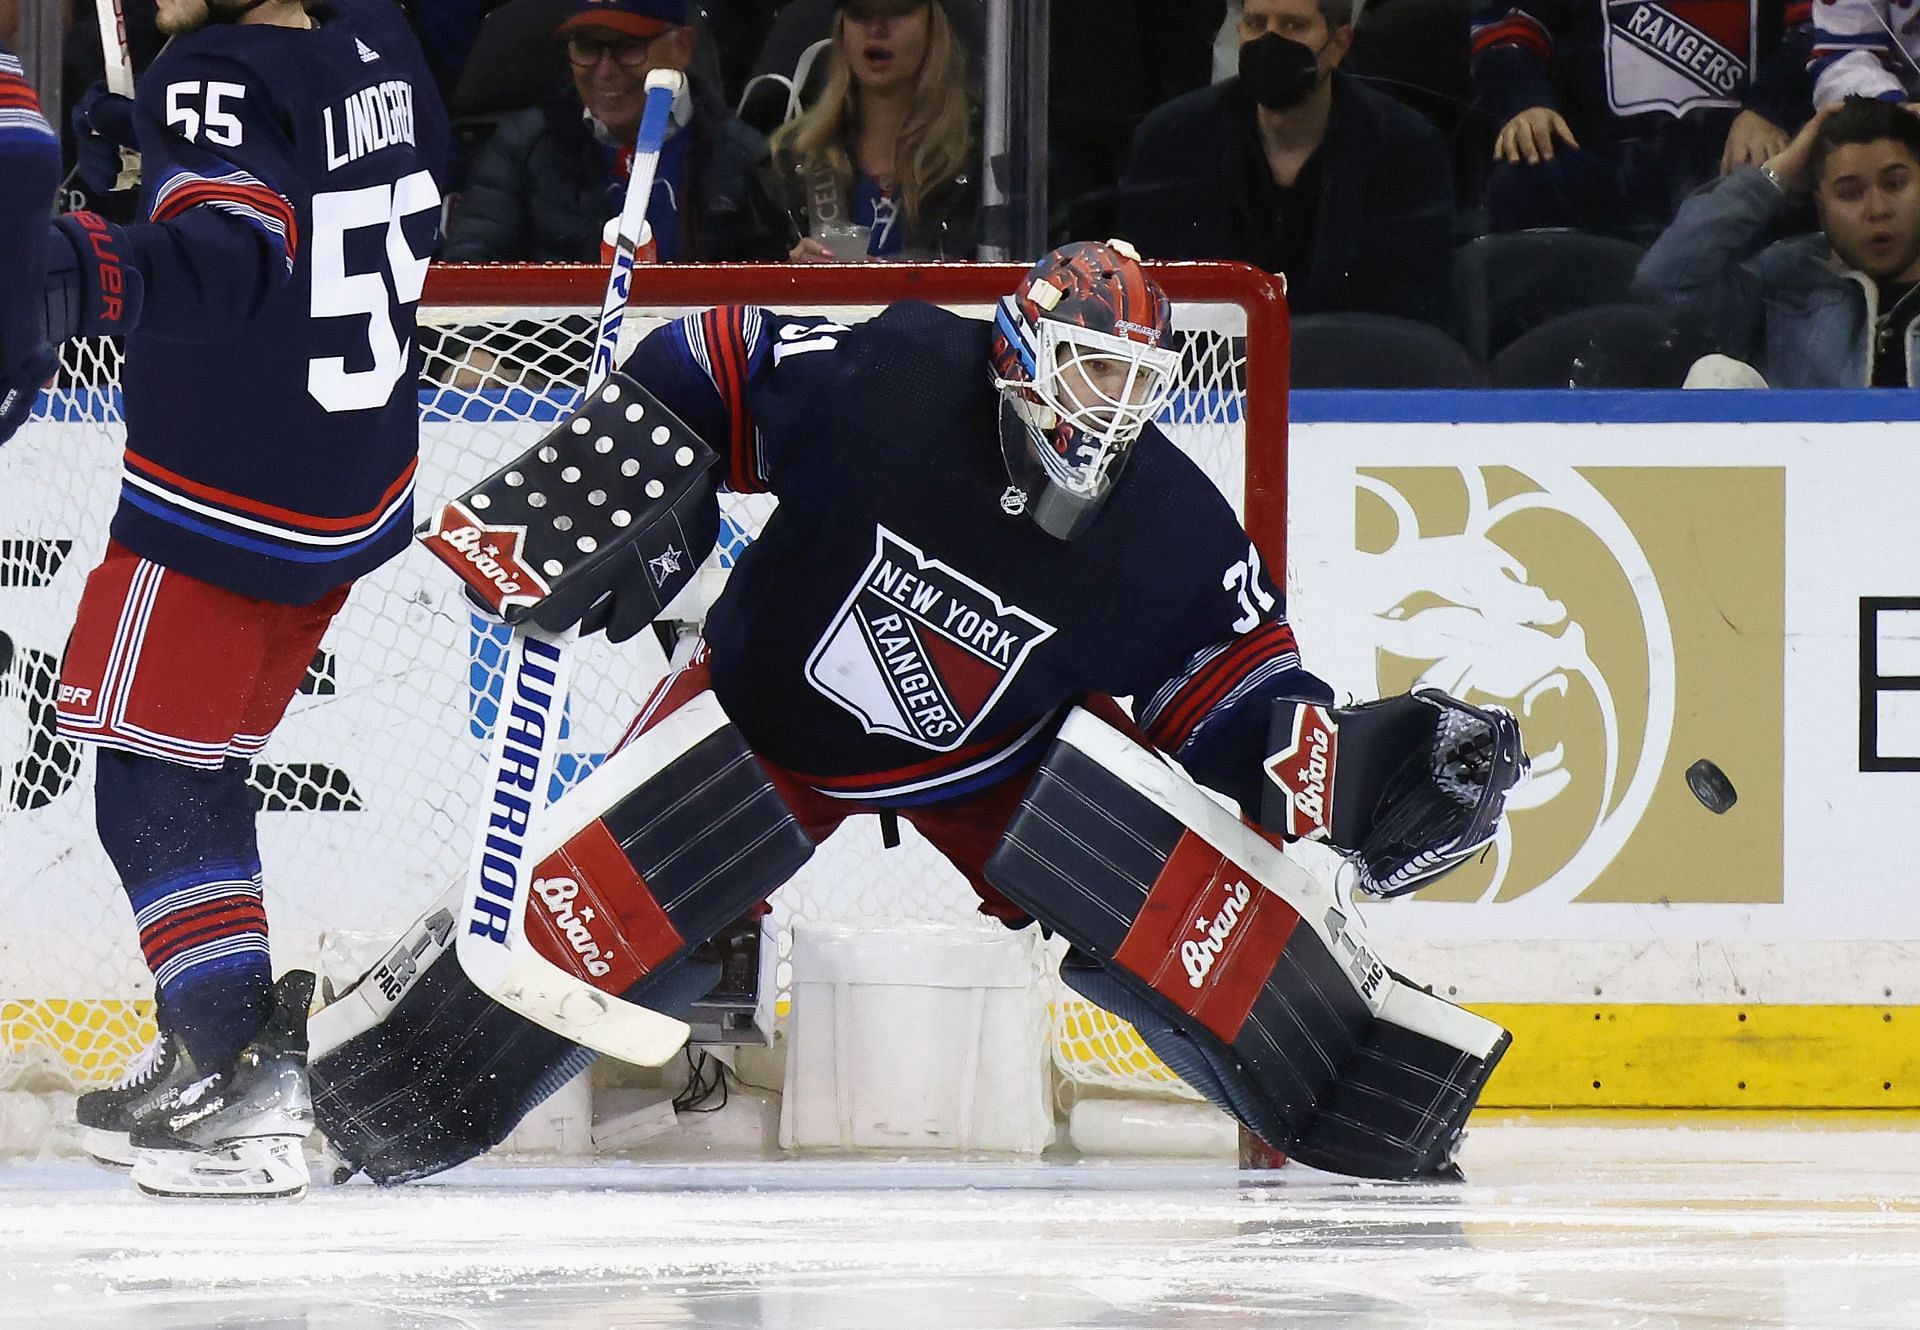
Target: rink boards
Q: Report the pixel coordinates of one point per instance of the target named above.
(1679, 582)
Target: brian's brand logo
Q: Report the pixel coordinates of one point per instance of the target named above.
(491, 560)
(1199, 954)
(919, 650)
(574, 927)
(1304, 771)
(513, 799)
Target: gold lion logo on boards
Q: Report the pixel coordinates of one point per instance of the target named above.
(1633, 619)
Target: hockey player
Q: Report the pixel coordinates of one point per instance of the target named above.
(30, 164)
(979, 527)
(292, 172)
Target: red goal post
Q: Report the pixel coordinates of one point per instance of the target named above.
(367, 788)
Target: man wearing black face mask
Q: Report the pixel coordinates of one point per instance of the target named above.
(1299, 169)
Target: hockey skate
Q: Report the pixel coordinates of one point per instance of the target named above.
(238, 1132)
(149, 1089)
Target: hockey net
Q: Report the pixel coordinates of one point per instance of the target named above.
(368, 789)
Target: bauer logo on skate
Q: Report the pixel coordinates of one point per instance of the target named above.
(920, 650)
(490, 559)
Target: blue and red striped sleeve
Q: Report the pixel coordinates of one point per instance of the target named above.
(706, 369)
(1513, 49)
(222, 193)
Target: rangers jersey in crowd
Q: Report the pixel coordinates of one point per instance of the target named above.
(270, 392)
(1606, 64)
(1865, 48)
(899, 633)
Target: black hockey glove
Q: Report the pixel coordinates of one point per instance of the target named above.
(92, 287)
(1406, 787)
(102, 126)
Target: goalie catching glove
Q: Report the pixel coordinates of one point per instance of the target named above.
(1407, 787)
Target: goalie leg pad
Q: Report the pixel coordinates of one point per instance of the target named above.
(674, 837)
(450, 1072)
(1276, 1017)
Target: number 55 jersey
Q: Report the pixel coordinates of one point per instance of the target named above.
(293, 178)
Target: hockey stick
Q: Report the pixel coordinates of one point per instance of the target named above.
(119, 61)
(493, 946)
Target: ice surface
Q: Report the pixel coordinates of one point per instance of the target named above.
(1559, 1228)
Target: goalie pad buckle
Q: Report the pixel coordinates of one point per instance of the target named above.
(1252, 979)
(614, 506)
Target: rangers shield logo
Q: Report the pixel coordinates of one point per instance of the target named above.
(919, 650)
(1676, 55)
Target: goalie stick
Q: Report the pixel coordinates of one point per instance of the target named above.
(119, 62)
(492, 943)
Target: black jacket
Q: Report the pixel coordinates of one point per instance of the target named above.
(1384, 233)
(539, 190)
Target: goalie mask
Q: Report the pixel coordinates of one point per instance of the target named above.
(1082, 362)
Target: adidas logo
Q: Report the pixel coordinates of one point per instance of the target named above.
(367, 54)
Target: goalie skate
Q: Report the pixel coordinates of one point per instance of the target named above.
(238, 1132)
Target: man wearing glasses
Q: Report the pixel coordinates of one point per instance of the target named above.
(551, 177)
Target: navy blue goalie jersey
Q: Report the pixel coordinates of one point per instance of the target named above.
(292, 182)
(896, 635)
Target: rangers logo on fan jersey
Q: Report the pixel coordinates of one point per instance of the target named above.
(919, 650)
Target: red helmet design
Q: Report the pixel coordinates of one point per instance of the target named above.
(1081, 356)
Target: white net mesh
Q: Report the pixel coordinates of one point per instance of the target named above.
(367, 788)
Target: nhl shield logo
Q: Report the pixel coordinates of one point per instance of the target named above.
(919, 650)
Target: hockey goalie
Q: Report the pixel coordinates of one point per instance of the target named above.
(982, 539)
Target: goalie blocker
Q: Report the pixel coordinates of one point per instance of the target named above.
(560, 535)
(671, 839)
(1248, 976)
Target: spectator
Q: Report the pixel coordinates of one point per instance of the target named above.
(1855, 54)
(551, 176)
(1834, 309)
(1298, 169)
(1611, 114)
(883, 165)
(1110, 63)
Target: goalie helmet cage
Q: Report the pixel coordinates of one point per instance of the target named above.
(368, 787)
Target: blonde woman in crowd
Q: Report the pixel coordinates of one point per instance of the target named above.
(884, 164)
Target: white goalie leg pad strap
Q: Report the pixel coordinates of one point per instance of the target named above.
(1264, 968)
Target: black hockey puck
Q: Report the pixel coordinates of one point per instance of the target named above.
(1711, 786)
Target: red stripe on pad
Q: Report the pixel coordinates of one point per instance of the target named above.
(1208, 937)
(591, 914)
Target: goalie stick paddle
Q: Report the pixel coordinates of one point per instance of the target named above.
(119, 62)
(492, 943)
